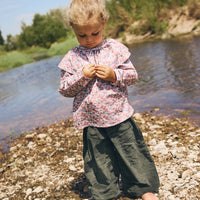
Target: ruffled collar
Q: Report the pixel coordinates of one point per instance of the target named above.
(104, 44)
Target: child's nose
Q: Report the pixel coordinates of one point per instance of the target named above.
(88, 39)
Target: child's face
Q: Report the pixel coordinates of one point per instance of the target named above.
(90, 35)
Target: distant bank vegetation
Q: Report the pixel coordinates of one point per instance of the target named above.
(47, 35)
(153, 15)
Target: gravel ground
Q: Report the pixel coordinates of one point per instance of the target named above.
(46, 164)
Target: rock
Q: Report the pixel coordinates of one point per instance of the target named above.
(152, 142)
(1, 170)
(156, 109)
(14, 148)
(172, 143)
(72, 168)
(31, 135)
(137, 116)
(81, 171)
(187, 173)
(192, 156)
(172, 175)
(196, 176)
(145, 134)
(31, 145)
(160, 148)
(28, 191)
(152, 127)
(14, 156)
(48, 139)
(68, 160)
(166, 35)
(50, 130)
(70, 179)
(41, 136)
(19, 146)
(39, 189)
(47, 163)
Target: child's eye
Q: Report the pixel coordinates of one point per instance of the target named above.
(81, 36)
(95, 34)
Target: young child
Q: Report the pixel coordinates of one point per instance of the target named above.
(96, 73)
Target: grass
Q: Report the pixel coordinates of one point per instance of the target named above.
(14, 59)
(10, 60)
(33, 50)
(62, 48)
(37, 53)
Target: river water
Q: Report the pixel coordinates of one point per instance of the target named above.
(169, 79)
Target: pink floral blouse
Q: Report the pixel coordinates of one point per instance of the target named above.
(97, 102)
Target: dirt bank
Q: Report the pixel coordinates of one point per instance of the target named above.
(180, 24)
(47, 162)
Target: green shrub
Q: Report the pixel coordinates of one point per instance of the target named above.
(150, 12)
(2, 49)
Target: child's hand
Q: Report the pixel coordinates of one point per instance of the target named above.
(106, 73)
(89, 71)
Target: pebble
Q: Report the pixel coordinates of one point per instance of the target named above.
(31, 145)
(70, 179)
(196, 176)
(38, 189)
(152, 142)
(68, 160)
(29, 191)
(41, 136)
(13, 148)
(30, 136)
(72, 168)
(46, 163)
(154, 127)
(160, 148)
(187, 173)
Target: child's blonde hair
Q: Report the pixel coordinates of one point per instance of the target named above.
(83, 12)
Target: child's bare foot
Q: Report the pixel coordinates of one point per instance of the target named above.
(149, 196)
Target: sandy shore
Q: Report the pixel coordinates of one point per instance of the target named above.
(47, 162)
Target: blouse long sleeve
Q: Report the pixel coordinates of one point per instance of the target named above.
(72, 79)
(72, 84)
(126, 74)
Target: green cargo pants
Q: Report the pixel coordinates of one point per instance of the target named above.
(118, 151)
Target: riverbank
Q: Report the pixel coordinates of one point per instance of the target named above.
(180, 23)
(13, 59)
(47, 162)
